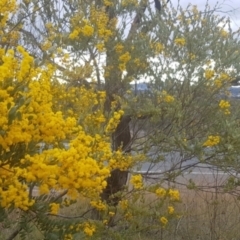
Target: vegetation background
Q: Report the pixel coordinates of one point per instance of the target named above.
(84, 156)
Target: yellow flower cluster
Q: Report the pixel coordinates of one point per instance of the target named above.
(68, 237)
(209, 74)
(124, 58)
(157, 47)
(223, 77)
(113, 122)
(87, 30)
(212, 141)
(172, 194)
(34, 124)
(180, 41)
(123, 204)
(100, 47)
(168, 98)
(100, 19)
(195, 9)
(74, 34)
(225, 105)
(111, 214)
(224, 33)
(7, 7)
(161, 192)
(137, 62)
(137, 181)
(170, 209)
(120, 161)
(99, 205)
(12, 191)
(46, 45)
(81, 27)
(54, 208)
(128, 216)
(163, 221)
(108, 3)
(119, 48)
(127, 3)
(192, 56)
(195, 12)
(89, 229)
(165, 97)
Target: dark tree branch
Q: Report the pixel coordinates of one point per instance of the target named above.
(158, 5)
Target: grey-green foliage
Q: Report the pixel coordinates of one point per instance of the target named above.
(181, 126)
(210, 43)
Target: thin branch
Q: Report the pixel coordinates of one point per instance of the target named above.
(68, 217)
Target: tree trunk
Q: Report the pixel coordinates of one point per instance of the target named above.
(121, 138)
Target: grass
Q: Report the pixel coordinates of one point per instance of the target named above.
(203, 216)
(213, 216)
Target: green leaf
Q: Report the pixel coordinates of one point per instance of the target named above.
(21, 101)
(8, 105)
(19, 115)
(2, 214)
(2, 132)
(12, 114)
(51, 236)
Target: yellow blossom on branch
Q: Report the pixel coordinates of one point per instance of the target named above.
(163, 221)
(174, 194)
(126, 3)
(158, 48)
(124, 58)
(137, 181)
(180, 42)
(164, 96)
(100, 47)
(87, 30)
(111, 214)
(212, 141)
(54, 208)
(113, 122)
(73, 35)
(224, 33)
(225, 105)
(161, 192)
(209, 73)
(89, 229)
(99, 205)
(122, 66)
(191, 56)
(119, 48)
(170, 209)
(123, 204)
(108, 3)
(224, 76)
(168, 98)
(68, 237)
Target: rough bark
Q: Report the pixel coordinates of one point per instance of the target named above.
(121, 138)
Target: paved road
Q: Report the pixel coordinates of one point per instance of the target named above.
(191, 169)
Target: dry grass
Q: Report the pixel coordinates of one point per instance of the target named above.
(203, 216)
(211, 215)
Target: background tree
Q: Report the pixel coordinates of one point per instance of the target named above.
(118, 42)
(114, 43)
(189, 58)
